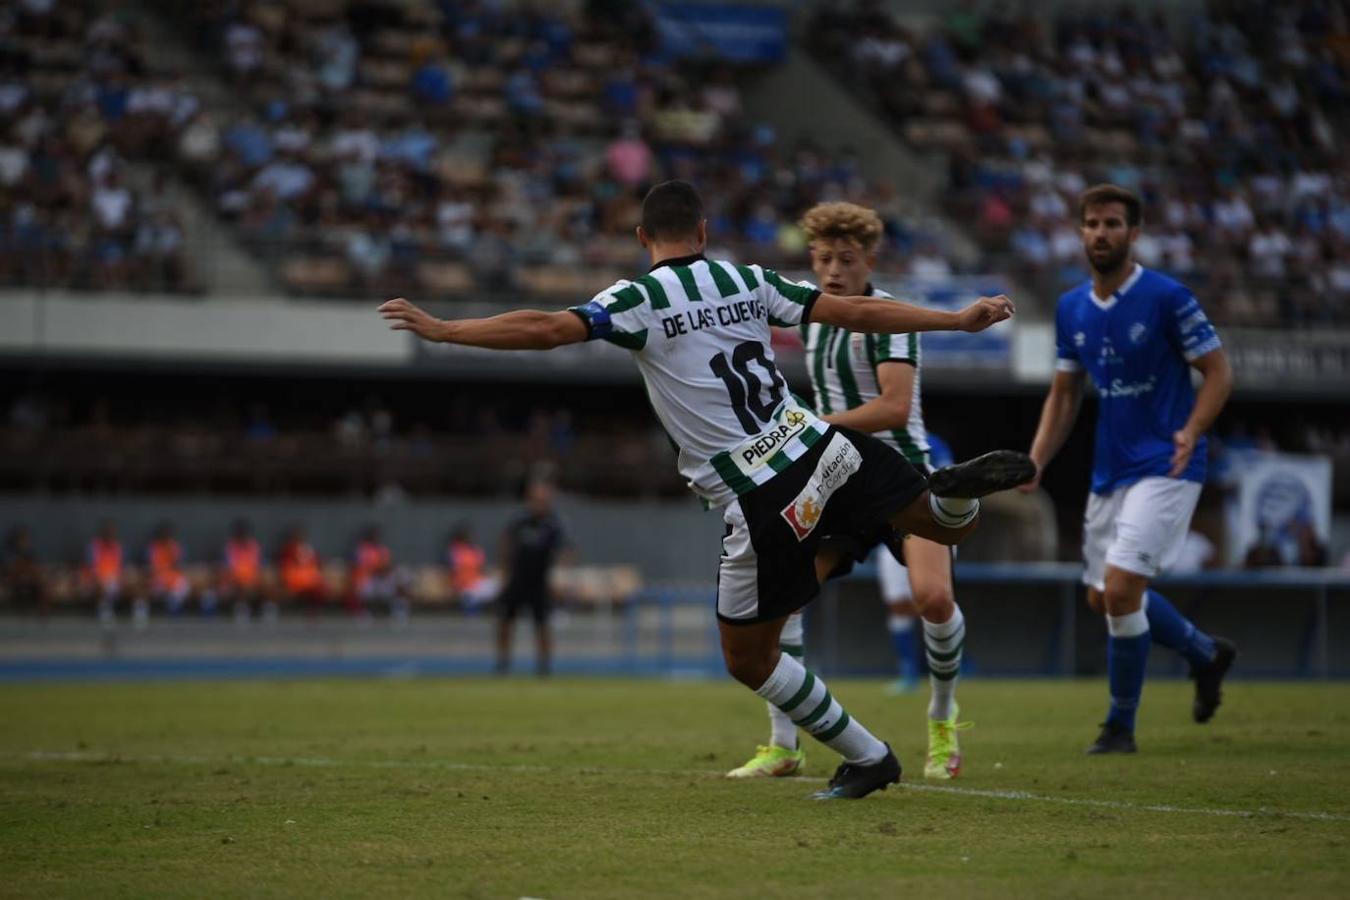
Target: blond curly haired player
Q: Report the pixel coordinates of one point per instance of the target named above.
(870, 383)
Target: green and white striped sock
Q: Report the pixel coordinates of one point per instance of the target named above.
(942, 643)
(782, 730)
(808, 703)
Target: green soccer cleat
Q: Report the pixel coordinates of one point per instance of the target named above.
(944, 748)
(771, 762)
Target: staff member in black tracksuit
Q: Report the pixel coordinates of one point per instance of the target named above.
(530, 547)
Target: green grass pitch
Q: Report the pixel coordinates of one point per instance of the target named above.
(604, 788)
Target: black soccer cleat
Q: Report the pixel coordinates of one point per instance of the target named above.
(987, 474)
(1209, 680)
(851, 781)
(1113, 739)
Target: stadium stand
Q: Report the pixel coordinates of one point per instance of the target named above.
(442, 148)
(1232, 131)
(83, 115)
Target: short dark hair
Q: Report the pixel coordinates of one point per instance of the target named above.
(672, 209)
(1113, 193)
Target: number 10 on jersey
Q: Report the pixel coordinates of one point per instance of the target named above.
(745, 387)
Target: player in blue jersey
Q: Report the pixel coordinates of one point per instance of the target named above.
(1137, 334)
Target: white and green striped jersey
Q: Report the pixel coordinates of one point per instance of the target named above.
(699, 330)
(843, 366)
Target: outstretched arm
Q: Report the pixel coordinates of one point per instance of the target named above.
(878, 316)
(522, 329)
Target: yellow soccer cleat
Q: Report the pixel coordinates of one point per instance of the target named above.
(944, 748)
(771, 762)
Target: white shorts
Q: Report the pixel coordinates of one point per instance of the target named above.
(892, 577)
(1139, 528)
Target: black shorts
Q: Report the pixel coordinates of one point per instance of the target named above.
(855, 552)
(846, 487)
(538, 601)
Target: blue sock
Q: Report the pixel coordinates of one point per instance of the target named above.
(906, 643)
(1126, 659)
(1176, 632)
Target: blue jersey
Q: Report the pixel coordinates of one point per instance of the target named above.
(1136, 346)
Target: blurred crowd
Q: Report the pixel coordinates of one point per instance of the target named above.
(240, 578)
(82, 117)
(440, 145)
(454, 147)
(1232, 129)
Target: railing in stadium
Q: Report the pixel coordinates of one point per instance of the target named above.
(1026, 620)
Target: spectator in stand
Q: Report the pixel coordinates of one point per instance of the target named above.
(241, 576)
(21, 580)
(433, 82)
(300, 572)
(164, 561)
(629, 158)
(103, 575)
(530, 547)
(531, 191)
(1229, 129)
(468, 570)
(375, 579)
(74, 221)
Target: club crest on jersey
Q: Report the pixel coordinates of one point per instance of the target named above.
(836, 466)
(1138, 331)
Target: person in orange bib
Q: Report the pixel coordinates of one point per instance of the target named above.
(164, 557)
(103, 571)
(375, 579)
(241, 576)
(301, 575)
(474, 587)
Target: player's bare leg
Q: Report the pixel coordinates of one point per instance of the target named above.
(917, 518)
(753, 658)
(930, 578)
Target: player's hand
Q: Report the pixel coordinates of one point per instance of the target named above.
(408, 316)
(984, 312)
(1183, 446)
(1031, 486)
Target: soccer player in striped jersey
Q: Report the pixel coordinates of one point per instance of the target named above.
(699, 331)
(870, 383)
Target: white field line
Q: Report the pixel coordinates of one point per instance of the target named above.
(329, 762)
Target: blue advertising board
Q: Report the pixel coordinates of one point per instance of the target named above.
(737, 34)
